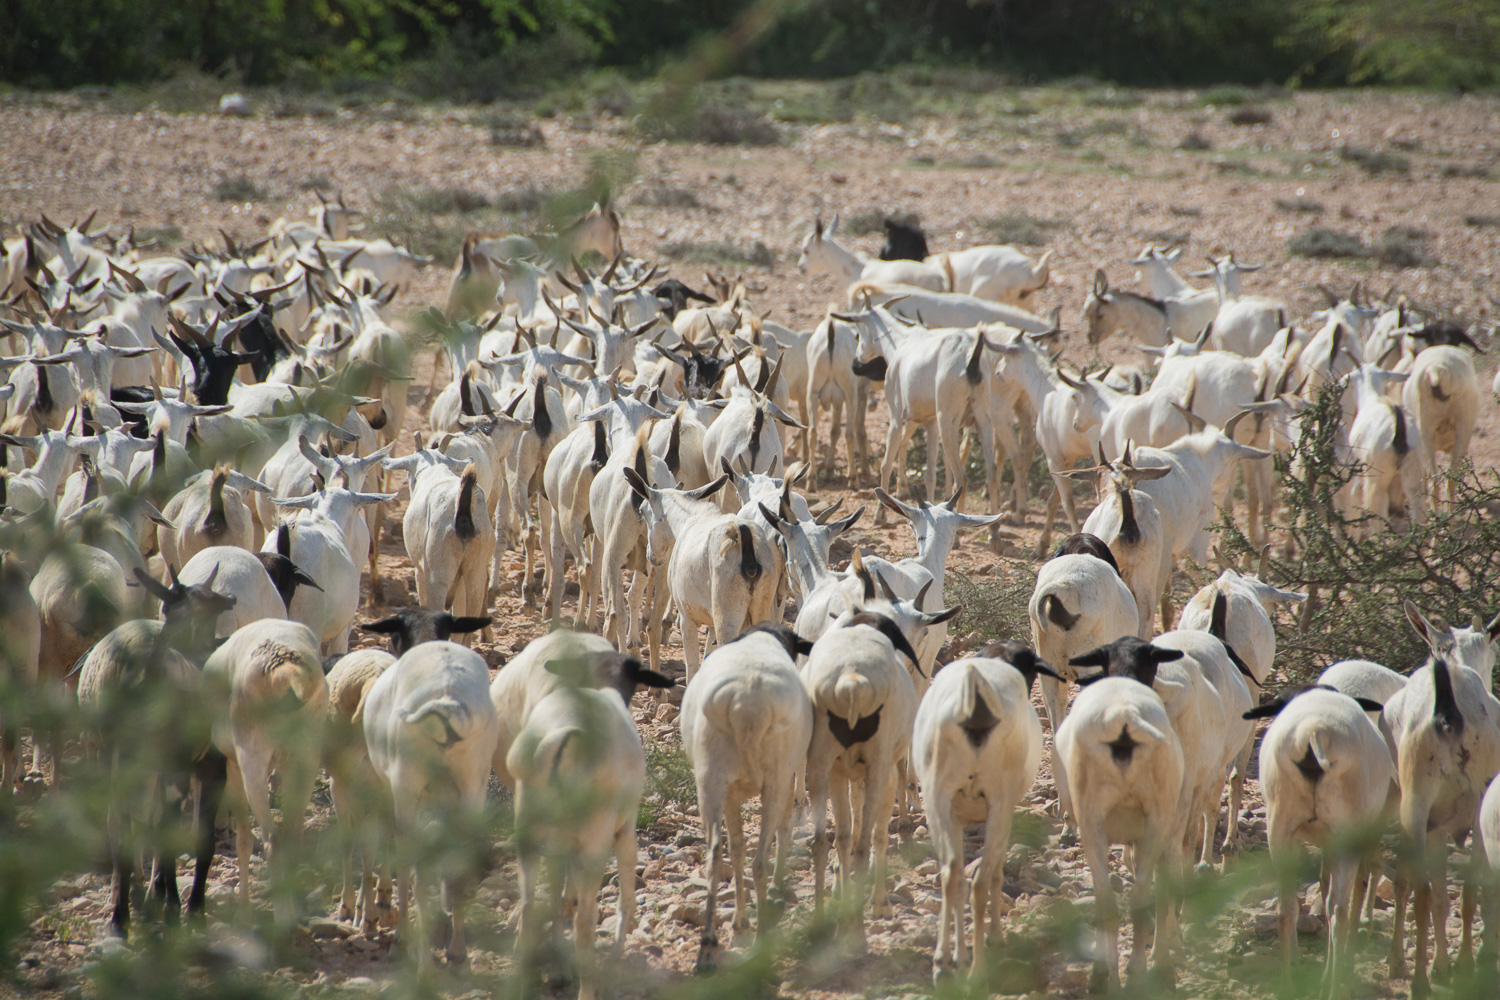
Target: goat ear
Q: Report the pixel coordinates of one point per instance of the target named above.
(939, 617)
(1422, 626)
(637, 484)
(1101, 282)
(1493, 628)
(385, 626)
(1091, 678)
(470, 623)
(303, 580)
(709, 490)
(1094, 658)
(1370, 705)
(803, 647)
(842, 526)
(1160, 655)
(152, 585)
(1266, 711)
(891, 502)
(650, 678)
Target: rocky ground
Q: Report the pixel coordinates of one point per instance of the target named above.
(1095, 181)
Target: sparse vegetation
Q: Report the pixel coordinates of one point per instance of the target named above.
(1018, 226)
(1405, 246)
(663, 196)
(1482, 221)
(1195, 142)
(1327, 243)
(1300, 205)
(1223, 97)
(238, 188)
(1375, 162)
(1474, 170)
(720, 253)
(1250, 116)
(712, 123)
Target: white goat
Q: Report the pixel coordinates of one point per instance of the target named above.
(976, 746)
(1442, 397)
(431, 730)
(269, 700)
(580, 772)
(1445, 727)
(822, 254)
(746, 725)
(1125, 765)
(1325, 774)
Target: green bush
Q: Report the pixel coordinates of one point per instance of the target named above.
(1329, 243)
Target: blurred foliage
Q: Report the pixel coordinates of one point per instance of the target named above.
(482, 50)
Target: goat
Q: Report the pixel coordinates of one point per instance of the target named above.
(994, 273)
(532, 675)
(1387, 447)
(318, 542)
(746, 725)
(948, 310)
(822, 254)
(1445, 728)
(1127, 525)
(430, 729)
(1125, 765)
(448, 533)
(269, 700)
(209, 512)
(1079, 603)
(580, 772)
(829, 356)
(140, 683)
(79, 592)
(863, 706)
(353, 784)
(1472, 647)
(1442, 397)
(721, 569)
(262, 584)
(976, 745)
(1325, 775)
(1181, 670)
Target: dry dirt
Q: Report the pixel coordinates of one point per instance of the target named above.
(1112, 186)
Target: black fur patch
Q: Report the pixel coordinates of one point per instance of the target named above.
(1058, 615)
(1446, 716)
(601, 447)
(380, 420)
(1130, 530)
(217, 522)
(861, 732)
(673, 457)
(463, 520)
(756, 426)
(541, 420)
(1309, 766)
(1398, 442)
(750, 567)
(1085, 544)
(972, 374)
(977, 727)
(1122, 747)
(874, 370)
(44, 402)
(891, 631)
(284, 539)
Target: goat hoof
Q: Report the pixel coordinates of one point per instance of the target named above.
(1420, 988)
(708, 957)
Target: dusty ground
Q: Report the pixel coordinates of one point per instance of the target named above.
(1111, 179)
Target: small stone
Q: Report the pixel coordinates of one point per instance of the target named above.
(929, 904)
(395, 592)
(1385, 891)
(365, 944)
(1265, 924)
(667, 713)
(684, 914)
(686, 838)
(235, 105)
(1310, 924)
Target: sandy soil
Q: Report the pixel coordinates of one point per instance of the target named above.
(1114, 180)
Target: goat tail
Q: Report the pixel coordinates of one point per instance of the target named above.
(1446, 716)
(463, 518)
(1050, 610)
(555, 754)
(854, 696)
(449, 720)
(1043, 270)
(302, 677)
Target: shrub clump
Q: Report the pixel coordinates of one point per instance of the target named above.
(711, 123)
(1328, 244)
(238, 188)
(720, 253)
(1375, 162)
(1021, 227)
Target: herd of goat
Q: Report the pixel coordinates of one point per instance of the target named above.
(211, 439)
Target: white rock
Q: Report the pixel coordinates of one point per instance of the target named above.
(234, 104)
